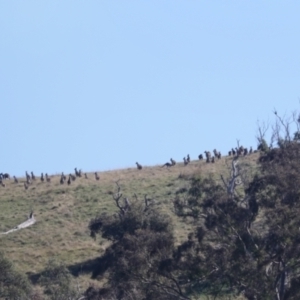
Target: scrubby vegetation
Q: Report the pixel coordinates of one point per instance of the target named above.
(13, 285)
(189, 234)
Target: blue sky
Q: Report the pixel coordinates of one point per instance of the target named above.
(99, 85)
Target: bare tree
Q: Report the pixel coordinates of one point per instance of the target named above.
(117, 197)
(262, 129)
(234, 180)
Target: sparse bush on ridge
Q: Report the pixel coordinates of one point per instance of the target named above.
(263, 146)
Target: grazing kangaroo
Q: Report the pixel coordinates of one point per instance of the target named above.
(73, 177)
(5, 176)
(167, 164)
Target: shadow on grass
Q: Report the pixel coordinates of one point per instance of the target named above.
(95, 267)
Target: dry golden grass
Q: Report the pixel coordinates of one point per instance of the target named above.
(63, 212)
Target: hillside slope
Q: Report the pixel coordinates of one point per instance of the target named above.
(63, 212)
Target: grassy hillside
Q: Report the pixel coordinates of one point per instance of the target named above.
(63, 212)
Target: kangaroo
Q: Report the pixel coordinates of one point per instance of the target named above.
(48, 179)
(167, 164)
(139, 167)
(185, 161)
(32, 176)
(188, 159)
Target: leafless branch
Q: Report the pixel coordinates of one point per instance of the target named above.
(117, 197)
(285, 123)
(233, 181)
(262, 129)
